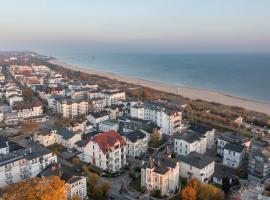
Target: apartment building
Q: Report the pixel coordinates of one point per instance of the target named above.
(166, 118)
(233, 155)
(26, 110)
(106, 151)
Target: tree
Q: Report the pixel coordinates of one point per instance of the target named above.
(226, 185)
(85, 169)
(29, 127)
(188, 193)
(28, 94)
(50, 188)
(77, 198)
(105, 187)
(196, 184)
(155, 137)
(93, 180)
(97, 193)
(210, 192)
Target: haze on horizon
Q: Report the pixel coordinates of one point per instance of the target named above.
(172, 26)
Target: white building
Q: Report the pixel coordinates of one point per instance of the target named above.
(106, 151)
(50, 136)
(25, 110)
(161, 174)
(24, 163)
(108, 125)
(114, 96)
(137, 143)
(166, 118)
(188, 142)
(14, 98)
(233, 155)
(72, 108)
(230, 137)
(96, 118)
(196, 165)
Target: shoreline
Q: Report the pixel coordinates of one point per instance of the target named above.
(185, 91)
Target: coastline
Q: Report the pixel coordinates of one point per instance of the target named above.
(185, 91)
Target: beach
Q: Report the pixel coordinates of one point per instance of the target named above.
(189, 92)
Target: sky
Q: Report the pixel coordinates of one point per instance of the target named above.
(167, 26)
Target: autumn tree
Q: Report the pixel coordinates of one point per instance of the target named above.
(196, 184)
(28, 94)
(92, 181)
(105, 187)
(155, 137)
(210, 192)
(188, 193)
(50, 188)
(29, 127)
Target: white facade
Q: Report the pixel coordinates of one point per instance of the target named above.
(169, 121)
(23, 165)
(233, 157)
(96, 119)
(72, 109)
(77, 187)
(167, 183)
(113, 97)
(184, 147)
(194, 166)
(25, 110)
(106, 151)
(138, 146)
(108, 125)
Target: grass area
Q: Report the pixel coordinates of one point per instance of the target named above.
(58, 149)
(136, 183)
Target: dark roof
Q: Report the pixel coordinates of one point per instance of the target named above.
(161, 165)
(189, 136)
(3, 142)
(133, 136)
(222, 171)
(99, 114)
(24, 105)
(81, 143)
(196, 159)
(232, 137)
(65, 133)
(198, 128)
(234, 147)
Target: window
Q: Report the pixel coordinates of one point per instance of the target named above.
(190, 167)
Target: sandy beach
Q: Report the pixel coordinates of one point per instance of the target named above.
(189, 92)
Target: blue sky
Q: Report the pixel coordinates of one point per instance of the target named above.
(198, 26)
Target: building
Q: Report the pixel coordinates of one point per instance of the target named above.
(114, 96)
(233, 155)
(115, 110)
(109, 125)
(72, 108)
(196, 165)
(161, 174)
(106, 151)
(259, 161)
(137, 143)
(45, 136)
(76, 185)
(20, 163)
(188, 142)
(230, 137)
(209, 133)
(25, 110)
(97, 117)
(97, 104)
(221, 172)
(166, 118)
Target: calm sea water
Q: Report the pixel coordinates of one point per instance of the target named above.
(246, 76)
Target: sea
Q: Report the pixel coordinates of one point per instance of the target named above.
(242, 75)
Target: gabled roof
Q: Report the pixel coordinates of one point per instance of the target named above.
(107, 140)
(65, 133)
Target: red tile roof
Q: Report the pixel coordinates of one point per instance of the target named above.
(107, 140)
